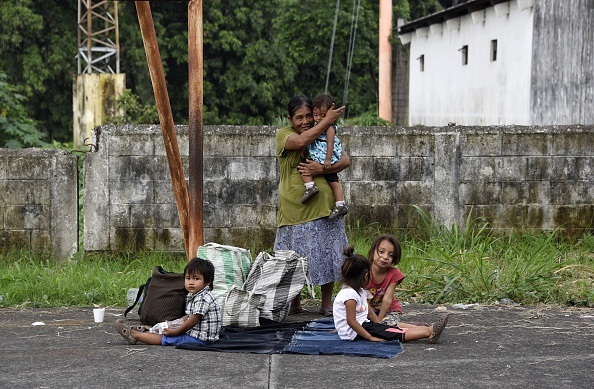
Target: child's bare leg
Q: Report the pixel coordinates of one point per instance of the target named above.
(408, 325)
(415, 333)
(146, 337)
(306, 179)
(337, 191)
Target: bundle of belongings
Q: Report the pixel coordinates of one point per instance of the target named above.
(255, 298)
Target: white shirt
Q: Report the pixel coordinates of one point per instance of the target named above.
(339, 311)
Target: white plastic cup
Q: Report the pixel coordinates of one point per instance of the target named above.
(98, 313)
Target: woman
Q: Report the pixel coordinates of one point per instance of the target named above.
(305, 228)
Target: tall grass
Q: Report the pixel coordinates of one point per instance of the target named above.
(472, 265)
(443, 265)
(29, 281)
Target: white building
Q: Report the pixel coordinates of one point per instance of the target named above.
(497, 62)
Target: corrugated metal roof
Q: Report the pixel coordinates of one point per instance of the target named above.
(449, 13)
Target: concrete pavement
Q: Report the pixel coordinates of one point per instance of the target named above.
(495, 346)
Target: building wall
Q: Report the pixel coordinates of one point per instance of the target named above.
(563, 62)
(521, 178)
(39, 201)
(483, 92)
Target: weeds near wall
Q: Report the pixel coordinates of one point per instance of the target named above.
(458, 264)
(469, 264)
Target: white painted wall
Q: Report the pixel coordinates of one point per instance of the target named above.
(479, 93)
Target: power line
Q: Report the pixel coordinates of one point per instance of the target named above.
(353, 35)
(332, 46)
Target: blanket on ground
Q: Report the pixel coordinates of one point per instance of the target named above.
(312, 338)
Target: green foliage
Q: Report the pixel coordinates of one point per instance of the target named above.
(472, 265)
(131, 111)
(29, 281)
(257, 55)
(37, 49)
(367, 119)
(306, 30)
(443, 265)
(17, 129)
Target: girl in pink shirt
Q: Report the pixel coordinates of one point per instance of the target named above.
(354, 320)
(384, 276)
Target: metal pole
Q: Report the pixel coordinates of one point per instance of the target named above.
(117, 36)
(89, 37)
(195, 126)
(149, 37)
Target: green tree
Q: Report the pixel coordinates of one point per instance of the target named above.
(37, 49)
(257, 55)
(17, 129)
(305, 30)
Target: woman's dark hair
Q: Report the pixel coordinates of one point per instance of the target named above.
(201, 266)
(354, 269)
(390, 238)
(323, 101)
(297, 102)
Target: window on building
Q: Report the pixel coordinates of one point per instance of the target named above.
(494, 50)
(464, 51)
(421, 60)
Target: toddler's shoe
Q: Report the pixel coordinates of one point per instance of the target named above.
(309, 193)
(338, 211)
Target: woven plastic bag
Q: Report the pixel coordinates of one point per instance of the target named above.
(242, 309)
(231, 264)
(280, 276)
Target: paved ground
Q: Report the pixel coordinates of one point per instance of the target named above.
(482, 347)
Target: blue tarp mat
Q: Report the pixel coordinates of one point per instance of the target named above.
(311, 338)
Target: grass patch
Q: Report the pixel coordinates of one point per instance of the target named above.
(443, 265)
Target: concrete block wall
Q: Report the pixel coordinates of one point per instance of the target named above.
(129, 200)
(39, 201)
(521, 178)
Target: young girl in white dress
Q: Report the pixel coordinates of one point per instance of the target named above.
(353, 319)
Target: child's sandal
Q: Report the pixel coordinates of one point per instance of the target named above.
(124, 330)
(140, 328)
(438, 328)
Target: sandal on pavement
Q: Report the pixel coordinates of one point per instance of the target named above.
(326, 311)
(124, 330)
(438, 328)
(140, 328)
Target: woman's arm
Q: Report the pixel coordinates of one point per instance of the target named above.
(312, 168)
(387, 300)
(305, 138)
(351, 306)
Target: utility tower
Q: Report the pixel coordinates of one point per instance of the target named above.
(98, 37)
(99, 82)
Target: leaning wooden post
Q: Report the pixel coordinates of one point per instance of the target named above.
(153, 57)
(195, 127)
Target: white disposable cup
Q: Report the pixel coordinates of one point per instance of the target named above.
(98, 313)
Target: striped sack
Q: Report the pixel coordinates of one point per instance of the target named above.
(231, 264)
(280, 276)
(242, 309)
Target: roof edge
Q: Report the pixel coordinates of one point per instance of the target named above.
(448, 13)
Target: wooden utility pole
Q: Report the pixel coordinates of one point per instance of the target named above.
(151, 47)
(195, 124)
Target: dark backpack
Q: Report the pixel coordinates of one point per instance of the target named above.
(164, 297)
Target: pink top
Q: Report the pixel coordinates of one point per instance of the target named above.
(378, 290)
